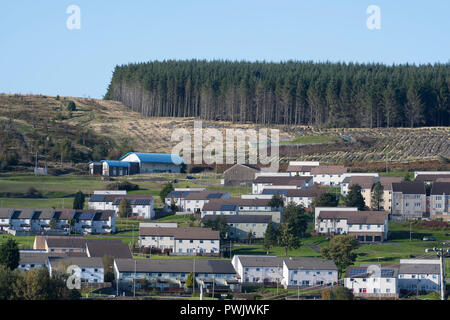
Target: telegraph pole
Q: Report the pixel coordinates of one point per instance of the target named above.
(441, 253)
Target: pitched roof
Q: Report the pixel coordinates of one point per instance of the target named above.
(5, 213)
(65, 242)
(240, 218)
(309, 264)
(411, 268)
(42, 257)
(115, 163)
(409, 187)
(181, 233)
(132, 199)
(363, 272)
(387, 182)
(261, 261)
(115, 248)
(439, 188)
(313, 192)
(157, 158)
(44, 214)
(431, 177)
(356, 217)
(64, 214)
(329, 170)
(175, 266)
(296, 168)
(247, 166)
(365, 182)
(78, 261)
(283, 181)
(205, 195)
(22, 213)
(231, 204)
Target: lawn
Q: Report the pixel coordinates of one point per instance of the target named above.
(66, 203)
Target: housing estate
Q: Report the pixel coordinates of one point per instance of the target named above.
(141, 205)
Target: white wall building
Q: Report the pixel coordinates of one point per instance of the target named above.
(309, 272)
(258, 269)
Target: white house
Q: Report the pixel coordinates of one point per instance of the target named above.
(308, 272)
(417, 275)
(90, 270)
(409, 200)
(141, 205)
(280, 182)
(167, 275)
(328, 175)
(365, 226)
(372, 281)
(303, 197)
(178, 196)
(258, 269)
(5, 216)
(181, 241)
(439, 201)
(301, 168)
(195, 201)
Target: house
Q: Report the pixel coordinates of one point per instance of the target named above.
(95, 168)
(171, 275)
(428, 177)
(5, 218)
(303, 197)
(307, 272)
(373, 281)
(60, 244)
(178, 197)
(439, 203)
(141, 205)
(408, 200)
(419, 275)
(386, 183)
(301, 168)
(195, 201)
(154, 162)
(280, 182)
(365, 182)
(30, 260)
(94, 221)
(240, 175)
(365, 226)
(21, 219)
(239, 226)
(328, 175)
(258, 269)
(181, 241)
(91, 270)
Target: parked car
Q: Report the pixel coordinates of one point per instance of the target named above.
(425, 239)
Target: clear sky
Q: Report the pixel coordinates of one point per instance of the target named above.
(39, 54)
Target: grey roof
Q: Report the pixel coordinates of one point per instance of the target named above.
(115, 248)
(230, 204)
(78, 261)
(431, 177)
(37, 257)
(22, 213)
(45, 214)
(310, 193)
(356, 217)
(66, 242)
(283, 181)
(409, 187)
(176, 265)
(261, 261)
(328, 170)
(5, 213)
(181, 233)
(439, 188)
(296, 168)
(205, 195)
(240, 219)
(309, 264)
(410, 268)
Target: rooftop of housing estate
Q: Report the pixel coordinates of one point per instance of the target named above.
(173, 266)
(230, 204)
(206, 195)
(409, 187)
(309, 264)
(389, 271)
(328, 170)
(55, 262)
(181, 233)
(283, 180)
(439, 188)
(132, 199)
(239, 218)
(356, 217)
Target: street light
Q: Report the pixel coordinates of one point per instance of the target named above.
(441, 253)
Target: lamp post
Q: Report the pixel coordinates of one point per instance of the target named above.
(441, 253)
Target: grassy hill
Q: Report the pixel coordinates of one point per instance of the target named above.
(99, 129)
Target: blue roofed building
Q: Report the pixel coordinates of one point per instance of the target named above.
(155, 162)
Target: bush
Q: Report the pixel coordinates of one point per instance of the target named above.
(124, 185)
(71, 106)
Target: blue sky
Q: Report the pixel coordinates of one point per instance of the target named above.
(39, 54)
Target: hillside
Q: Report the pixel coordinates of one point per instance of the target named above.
(100, 129)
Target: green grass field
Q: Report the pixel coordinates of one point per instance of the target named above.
(313, 139)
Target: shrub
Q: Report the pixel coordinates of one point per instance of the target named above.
(124, 185)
